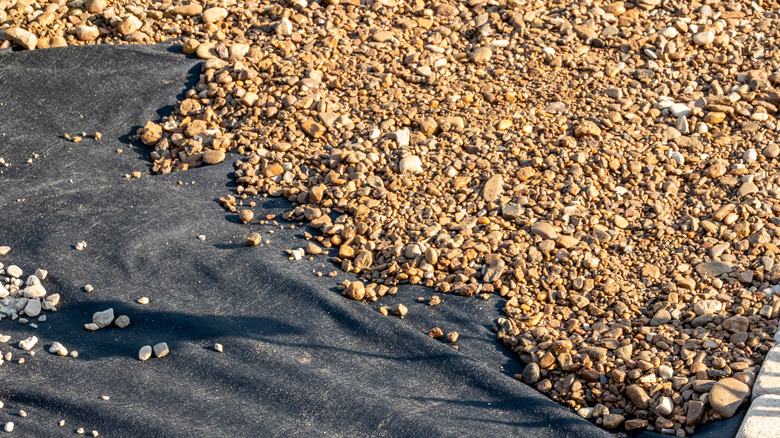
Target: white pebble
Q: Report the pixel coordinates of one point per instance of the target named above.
(143, 300)
(81, 245)
(412, 164)
(218, 347)
(22, 413)
(28, 343)
(88, 288)
(145, 352)
(58, 349)
(9, 427)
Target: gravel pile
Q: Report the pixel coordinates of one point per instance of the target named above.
(610, 169)
(22, 299)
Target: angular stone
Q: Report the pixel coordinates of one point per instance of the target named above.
(727, 396)
(29, 343)
(411, 164)
(512, 211)
(707, 307)
(312, 128)
(22, 38)
(638, 396)
(493, 188)
(58, 349)
(382, 36)
(161, 349)
(736, 324)
(104, 318)
(713, 269)
(695, 413)
(33, 307)
(129, 25)
(495, 268)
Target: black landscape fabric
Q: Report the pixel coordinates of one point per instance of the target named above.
(298, 360)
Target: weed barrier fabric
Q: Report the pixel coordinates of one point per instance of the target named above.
(298, 360)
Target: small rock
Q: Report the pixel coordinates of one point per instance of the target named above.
(412, 164)
(493, 188)
(213, 15)
(145, 352)
(727, 396)
(284, 27)
(612, 421)
(34, 291)
(161, 349)
(33, 307)
(481, 55)
(95, 6)
(703, 38)
(772, 150)
(661, 317)
(665, 406)
(122, 321)
(544, 230)
(713, 269)
(87, 33)
(400, 310)
(635, 423)
(587, 128)
(218, 347)
(189, 10)
(58, 349)
(29, 343)
(638, 396)
(14, 271)
(22, 38)
(104, 318)
(531, 373)
(211, 156)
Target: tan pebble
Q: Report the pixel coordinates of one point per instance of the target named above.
(246, 216)
(253, 239)
(400, 310)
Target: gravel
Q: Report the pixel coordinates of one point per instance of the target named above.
(610, 170)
